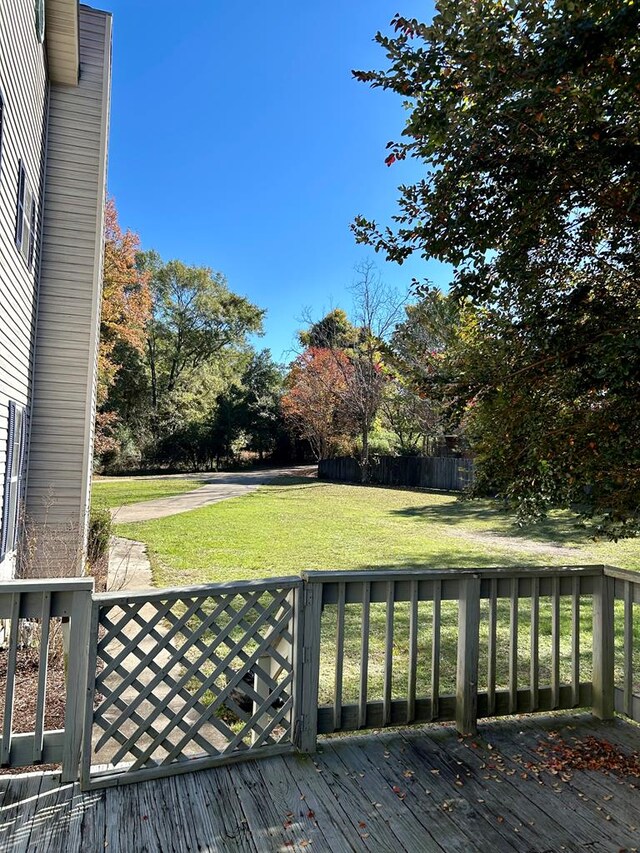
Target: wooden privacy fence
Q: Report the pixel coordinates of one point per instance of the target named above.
(167, 681)
(426, 472)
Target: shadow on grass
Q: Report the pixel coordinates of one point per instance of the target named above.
(287, 482)
(560, 529)
(448, 560)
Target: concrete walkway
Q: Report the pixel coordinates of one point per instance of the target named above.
(218, 487)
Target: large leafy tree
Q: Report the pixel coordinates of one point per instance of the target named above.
(526, 116)
(126, 309)
(195, 317)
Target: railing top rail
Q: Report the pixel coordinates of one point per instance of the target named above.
(47, 585)
(204, 590)
(438, 574)
(622, 574)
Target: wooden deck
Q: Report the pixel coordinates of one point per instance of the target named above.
(420, 790)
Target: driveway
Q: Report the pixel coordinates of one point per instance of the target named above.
(218, 487)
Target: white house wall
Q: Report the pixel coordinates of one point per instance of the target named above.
(64, 381)
(23, 84)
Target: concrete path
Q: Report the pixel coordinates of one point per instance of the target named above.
(218, 487)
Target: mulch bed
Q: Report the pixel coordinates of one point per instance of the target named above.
(25, 697)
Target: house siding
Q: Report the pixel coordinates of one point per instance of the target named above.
(64, 381)
(24, 89)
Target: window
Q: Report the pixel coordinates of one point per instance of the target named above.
(25, 216)
(40, 20)
(1, 120)
(13, 479)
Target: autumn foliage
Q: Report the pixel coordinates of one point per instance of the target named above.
(126, 308)
(314, 405)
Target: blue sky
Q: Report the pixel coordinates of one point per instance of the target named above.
(240, 141)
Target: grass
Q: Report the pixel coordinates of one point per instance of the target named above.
(298, 524)
(114, 493)
(301, 524)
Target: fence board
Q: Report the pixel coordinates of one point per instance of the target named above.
(446, 473)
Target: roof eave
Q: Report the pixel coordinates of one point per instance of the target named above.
(63, 41)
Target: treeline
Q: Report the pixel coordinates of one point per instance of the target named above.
(180, 385)
(358, 389)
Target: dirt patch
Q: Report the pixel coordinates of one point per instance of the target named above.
(495, 540)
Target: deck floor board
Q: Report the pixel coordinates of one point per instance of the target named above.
(371, 792)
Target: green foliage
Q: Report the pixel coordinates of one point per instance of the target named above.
(100, 530)
(526, 116)
(333, 331)
(197, 393)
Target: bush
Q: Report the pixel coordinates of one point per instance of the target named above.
(100, 529)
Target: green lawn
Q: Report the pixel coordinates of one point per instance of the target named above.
(114, 493)
(305, 524)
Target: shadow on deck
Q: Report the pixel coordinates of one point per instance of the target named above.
(420, 790)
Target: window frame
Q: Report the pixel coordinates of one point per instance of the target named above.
(25, 216)
(13, 479)
(2, 120)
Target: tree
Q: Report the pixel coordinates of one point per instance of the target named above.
(356, 348)
(313, 404)
(262, 382)
(526, 116)
(195, 317)
(333, 331)
(126, 307)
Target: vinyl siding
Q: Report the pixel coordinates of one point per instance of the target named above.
(24, 88)
(64, 382)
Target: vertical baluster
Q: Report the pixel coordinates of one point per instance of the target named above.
(435, 650)
(491, 652)
(535, 636)
(468, 647)
(413, 652)
(364, 653)
(388, 655)
(628, 649)
(575, 642)
(5, 752)
(555, 642)
(603, 686)
(337, 691)
(38, 737)
(513, 646)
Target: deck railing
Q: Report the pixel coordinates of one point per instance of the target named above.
(355, 650)
(31, 611)
(393, 648)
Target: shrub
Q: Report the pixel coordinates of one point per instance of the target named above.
(100, 529)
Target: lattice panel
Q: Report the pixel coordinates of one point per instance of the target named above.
(192, 676)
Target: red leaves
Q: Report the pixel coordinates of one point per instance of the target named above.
(390, 160)
(590, 753)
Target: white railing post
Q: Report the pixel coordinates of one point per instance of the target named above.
(76, 676)
(306, 726)
(468, 648)
(603, 650)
